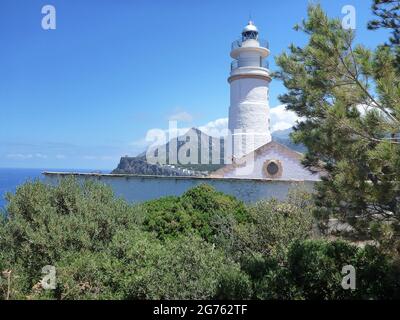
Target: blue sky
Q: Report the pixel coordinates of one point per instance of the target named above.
(86, 93)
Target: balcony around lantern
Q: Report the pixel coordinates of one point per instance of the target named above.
(239, 44)
(262, 64)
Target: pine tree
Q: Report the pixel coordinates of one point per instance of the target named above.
(349, 99)
(387, 16)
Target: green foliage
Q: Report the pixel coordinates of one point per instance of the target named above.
(193, 212)
(270, 279)
(82, 275)
(349, 98)
(387, 16)
(378, 276)
(205, 198)
(315, 268)
(275, 225)
(167, 217)
(44, 222)
(103, 248)
(234, 284)
(181, 268)
(190, 268)
(138, 266)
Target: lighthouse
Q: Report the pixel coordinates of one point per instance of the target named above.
(249, 80)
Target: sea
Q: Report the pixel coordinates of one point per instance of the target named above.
(10, 179)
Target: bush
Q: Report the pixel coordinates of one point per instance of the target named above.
(166, 217)
(137, 266)
(44, 223)
(269, 279)
(192, 213)
(378, 275)
(101, 250)
(234, 284)
(206, 199)
(82, 275)
(275, 225)
(315, 268)
(190, 268)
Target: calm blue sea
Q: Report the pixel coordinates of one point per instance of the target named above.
(10, 179)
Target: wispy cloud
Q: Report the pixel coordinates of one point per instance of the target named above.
(216, 128)
(41, 156)
(282, 119)
(182, 116)
(100, 157)
(140, 143)
(89, 157)
(23, 156)
(19, 156)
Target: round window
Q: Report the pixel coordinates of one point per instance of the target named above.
(272, 168)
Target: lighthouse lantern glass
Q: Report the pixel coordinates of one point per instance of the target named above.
(249, 35)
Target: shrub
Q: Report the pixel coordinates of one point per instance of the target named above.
(44, 223)
(181, 268)
(193, 212)
(275, 225)
(82, 275)
(206, 199)
(193, 269)
(100, 250)
(315, 268)
(121, 271)
(234, 284)
(378, 276)
(269, 279)
(167, 217)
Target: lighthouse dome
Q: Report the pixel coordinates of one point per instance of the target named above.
(250, 27)
(250, 32)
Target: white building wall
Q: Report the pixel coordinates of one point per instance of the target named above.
(292, 168)
(249, 111)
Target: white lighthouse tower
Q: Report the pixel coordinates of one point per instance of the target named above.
(249, 84)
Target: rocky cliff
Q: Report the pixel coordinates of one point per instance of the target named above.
(138, 165)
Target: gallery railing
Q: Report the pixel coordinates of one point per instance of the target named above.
(239, 43)
(236, 64)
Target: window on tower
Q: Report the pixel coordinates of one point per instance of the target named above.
(249, 35)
